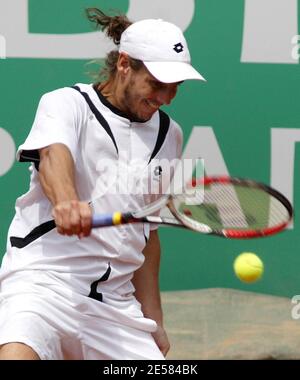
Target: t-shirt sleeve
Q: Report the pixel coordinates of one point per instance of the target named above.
(57, 120)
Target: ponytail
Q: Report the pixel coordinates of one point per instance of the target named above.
(113, 26)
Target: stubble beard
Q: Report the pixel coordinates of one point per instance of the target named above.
(130, 102)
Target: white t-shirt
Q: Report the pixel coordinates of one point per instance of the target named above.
(111, 163)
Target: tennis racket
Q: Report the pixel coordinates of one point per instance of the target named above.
(234, 208)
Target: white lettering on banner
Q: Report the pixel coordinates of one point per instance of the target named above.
(2, 47)
(7, 151)
(283, 142)
(202, 143)
(269, 26)
(179, 12)
(22, 44)
(296, 48)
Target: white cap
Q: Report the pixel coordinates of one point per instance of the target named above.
(162, 48)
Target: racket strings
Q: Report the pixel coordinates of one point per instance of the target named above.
(278, 213)
(234, 206)
(228, 207)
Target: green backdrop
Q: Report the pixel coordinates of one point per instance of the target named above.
(242, 102)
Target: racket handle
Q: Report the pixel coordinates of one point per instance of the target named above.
(106, 220)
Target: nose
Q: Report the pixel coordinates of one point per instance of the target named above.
(166, 94)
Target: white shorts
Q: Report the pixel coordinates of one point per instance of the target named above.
(60, 324)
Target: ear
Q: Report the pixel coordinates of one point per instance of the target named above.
(123, 65)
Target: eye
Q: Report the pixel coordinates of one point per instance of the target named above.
(156, 85)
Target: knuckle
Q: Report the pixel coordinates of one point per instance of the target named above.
(74, 204)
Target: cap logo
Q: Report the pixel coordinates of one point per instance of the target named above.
(178, 47)
(157, 170)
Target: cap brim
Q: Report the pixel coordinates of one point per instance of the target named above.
(172, 72)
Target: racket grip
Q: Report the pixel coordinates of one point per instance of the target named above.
(106, 220)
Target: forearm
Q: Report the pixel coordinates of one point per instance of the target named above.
(148, 295)
(57, 178)
(56, 174)
(146, 281)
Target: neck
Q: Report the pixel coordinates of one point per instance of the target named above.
(108, 90)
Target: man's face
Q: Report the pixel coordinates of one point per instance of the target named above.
(143, 94)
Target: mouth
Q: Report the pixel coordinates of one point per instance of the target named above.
(152, 104)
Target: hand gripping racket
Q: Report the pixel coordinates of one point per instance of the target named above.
(229, 207)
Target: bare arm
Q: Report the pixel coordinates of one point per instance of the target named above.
(146, 282)
(56, 174)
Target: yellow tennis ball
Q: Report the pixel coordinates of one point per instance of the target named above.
(248, 267)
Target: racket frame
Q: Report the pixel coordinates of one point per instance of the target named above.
(240, 234)
(180, 220)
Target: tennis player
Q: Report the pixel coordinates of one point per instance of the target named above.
(71, 292)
